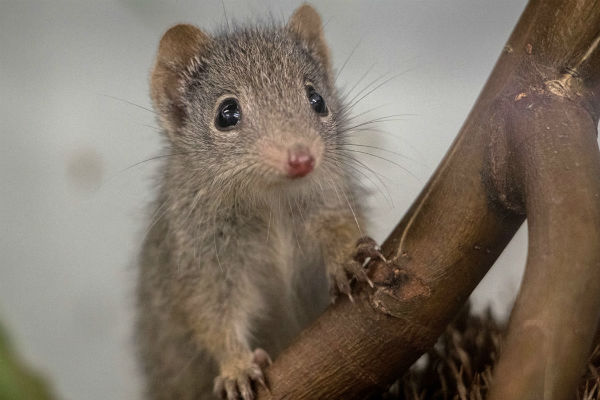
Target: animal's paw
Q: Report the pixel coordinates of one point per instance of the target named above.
(238, 380)
(354, 266)
(367, 250)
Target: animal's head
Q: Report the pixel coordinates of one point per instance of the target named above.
(255, 107)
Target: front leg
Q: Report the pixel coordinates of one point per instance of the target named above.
(344, 250)
(222, 301)
(221, 323)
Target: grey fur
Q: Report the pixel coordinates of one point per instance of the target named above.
(239, 256)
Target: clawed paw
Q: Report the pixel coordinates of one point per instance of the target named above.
(355, 267)
(368, 250)
(238, 381)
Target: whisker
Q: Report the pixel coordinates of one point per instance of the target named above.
(128, 102)
(363, 76)
(225, 14)
(368, 129)
(194, 203)
(375, 185)
(360, 114)
(160, 212)
(375, 108)
(337, 75)
(385, 159)
(154, 128)
(356, 160)
(363, 124)
(353, 103)
(378, 148)
(377, 176)
(352, 210)
(299, 210)
(335, 190)
(412, 159)
(158, 157)
(392, 117)
(347, 202)
(319, 181)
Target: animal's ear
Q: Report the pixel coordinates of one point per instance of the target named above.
(306, 24)
(177, 48)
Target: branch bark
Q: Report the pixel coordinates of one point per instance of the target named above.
(550, 127)
(528, 148)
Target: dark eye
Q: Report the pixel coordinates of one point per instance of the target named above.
(228, 115)
(316, 101)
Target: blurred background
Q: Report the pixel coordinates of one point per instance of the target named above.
(74, 125)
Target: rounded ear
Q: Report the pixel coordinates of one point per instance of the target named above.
(306, 24)
(176, 51)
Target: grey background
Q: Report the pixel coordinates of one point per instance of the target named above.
(72, 219)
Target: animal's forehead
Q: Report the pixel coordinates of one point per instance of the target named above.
(262, 57)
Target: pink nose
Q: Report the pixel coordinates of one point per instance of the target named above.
(300, 162)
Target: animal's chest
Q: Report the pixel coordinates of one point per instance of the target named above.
(301, 263)
(300, 294)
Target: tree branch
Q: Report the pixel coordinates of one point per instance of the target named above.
(550, 127)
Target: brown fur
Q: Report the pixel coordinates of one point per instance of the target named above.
(239, 256)
(306, 23)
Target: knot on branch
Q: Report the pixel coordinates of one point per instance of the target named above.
(396, 288)
(569, 85)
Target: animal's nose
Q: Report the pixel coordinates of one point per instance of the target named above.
(300, 162)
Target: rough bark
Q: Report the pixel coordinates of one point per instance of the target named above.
(527, 149)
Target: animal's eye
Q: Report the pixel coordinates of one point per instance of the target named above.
(228, 115)
(316, 101)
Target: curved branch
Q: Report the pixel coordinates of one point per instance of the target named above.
(554, 320)
(551, 131)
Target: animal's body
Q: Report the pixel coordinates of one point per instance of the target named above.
(257, 214)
